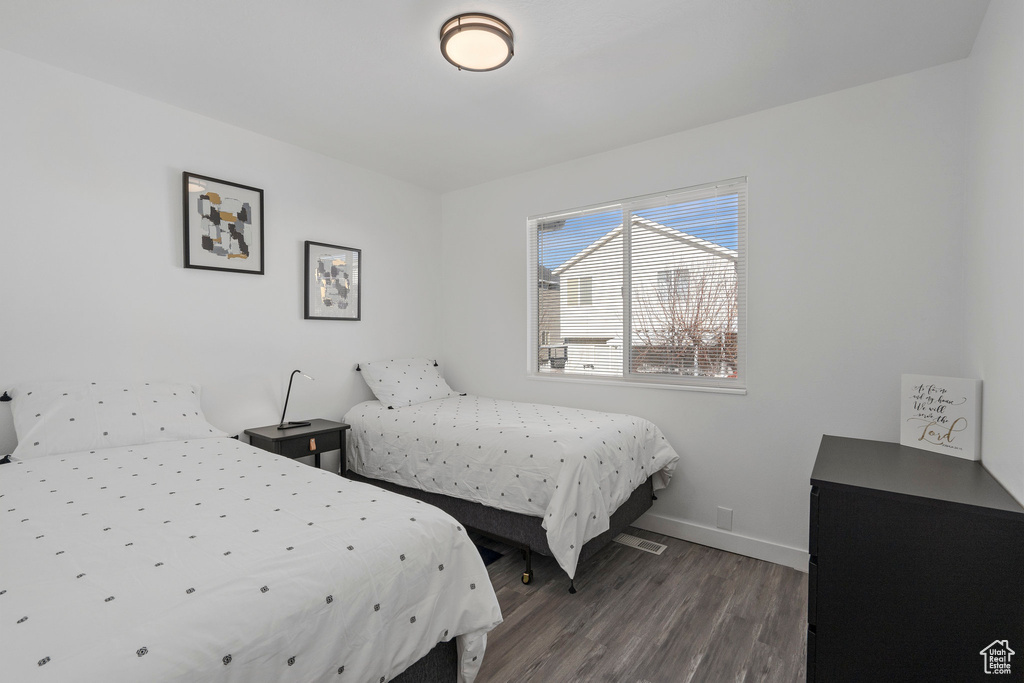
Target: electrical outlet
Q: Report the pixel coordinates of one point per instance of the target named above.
(725, 518)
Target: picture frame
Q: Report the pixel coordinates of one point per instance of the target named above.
(941, 414)
(332, 277)
(223, 225)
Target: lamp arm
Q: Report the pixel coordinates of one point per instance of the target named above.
(287, 396)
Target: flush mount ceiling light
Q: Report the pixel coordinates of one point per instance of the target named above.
(476, 42)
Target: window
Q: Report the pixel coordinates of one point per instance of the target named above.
(673, 284)
(579, 291)
(649, 289)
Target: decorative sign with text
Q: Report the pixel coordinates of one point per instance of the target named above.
(941, 414)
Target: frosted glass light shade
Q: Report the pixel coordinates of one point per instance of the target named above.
(476, 42)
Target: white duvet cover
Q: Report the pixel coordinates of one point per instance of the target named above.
(209, 560)
(573, 468)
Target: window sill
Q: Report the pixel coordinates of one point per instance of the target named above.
(619, 382)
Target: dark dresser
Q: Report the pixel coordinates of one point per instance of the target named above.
(916, 570)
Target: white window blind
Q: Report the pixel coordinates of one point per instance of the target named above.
(649, 289)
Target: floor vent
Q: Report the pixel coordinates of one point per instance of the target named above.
(640, 544)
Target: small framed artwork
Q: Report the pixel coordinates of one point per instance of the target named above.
(332, 282)
(941, 414)
(223, 225)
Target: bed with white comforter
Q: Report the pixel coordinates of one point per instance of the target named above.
(572, 468)
(209, 560)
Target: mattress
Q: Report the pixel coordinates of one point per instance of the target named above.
(210, 560)
(571, 468)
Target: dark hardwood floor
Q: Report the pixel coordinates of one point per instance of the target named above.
(690, 614)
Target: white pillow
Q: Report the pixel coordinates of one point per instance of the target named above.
(403, 382)
(63, 417)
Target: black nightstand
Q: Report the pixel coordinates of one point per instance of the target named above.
(298, 442)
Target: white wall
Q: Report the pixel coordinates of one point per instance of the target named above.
(856, 214)
(994, 237)
(91, 276)
(856, 207)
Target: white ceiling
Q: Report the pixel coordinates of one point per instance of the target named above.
(365, 81)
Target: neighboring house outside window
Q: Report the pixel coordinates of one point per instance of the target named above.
(665, 272)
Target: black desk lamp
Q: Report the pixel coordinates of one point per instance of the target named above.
(289, 425)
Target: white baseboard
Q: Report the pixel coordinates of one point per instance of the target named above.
(724, 540)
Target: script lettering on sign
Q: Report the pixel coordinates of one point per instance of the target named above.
(941, 414)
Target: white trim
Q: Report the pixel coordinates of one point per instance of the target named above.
(620, 382)
(724, 540)
(533, 301)
(644, 200)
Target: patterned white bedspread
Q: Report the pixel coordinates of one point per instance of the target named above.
(573, 468)
(210, 560)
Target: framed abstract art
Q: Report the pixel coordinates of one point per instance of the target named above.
(332, 282)
(223, 225)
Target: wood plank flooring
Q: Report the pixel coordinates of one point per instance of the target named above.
(691, 614)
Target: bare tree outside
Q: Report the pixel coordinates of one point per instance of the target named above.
(687, 328)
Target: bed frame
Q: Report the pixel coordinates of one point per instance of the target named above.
(440, 665)
(519, 530)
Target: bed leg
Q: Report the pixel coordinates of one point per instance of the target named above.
(528, 574)
(654, 497)
(572, 586)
